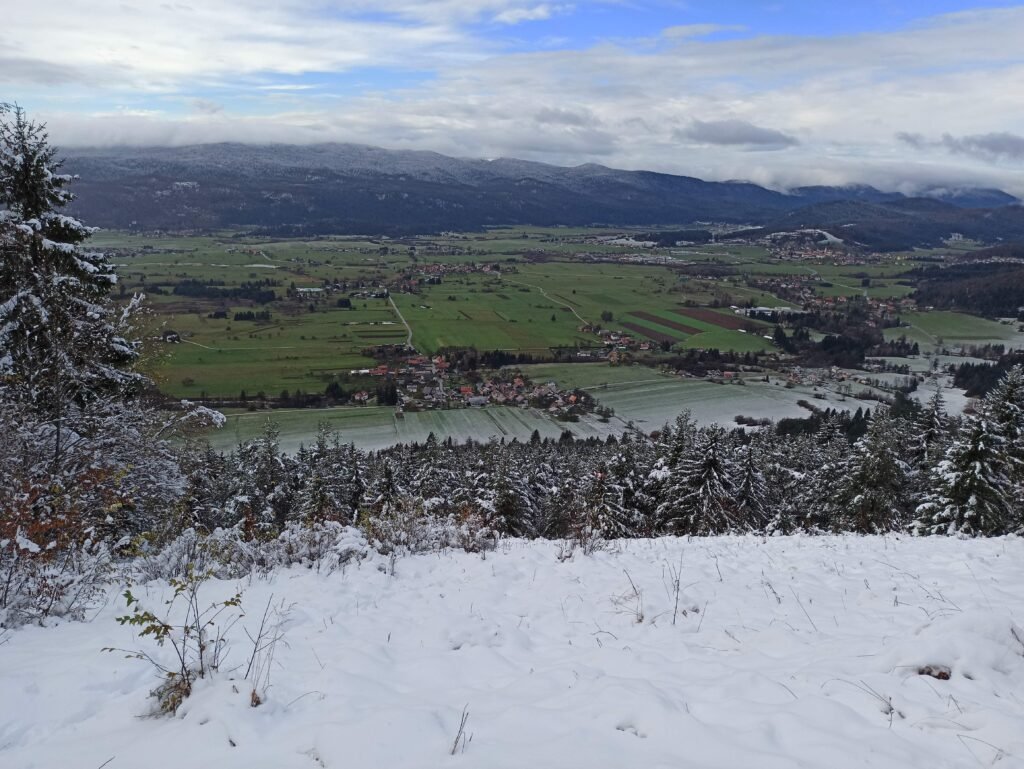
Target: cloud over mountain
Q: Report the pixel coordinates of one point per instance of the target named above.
(521, 78)
(737, 132)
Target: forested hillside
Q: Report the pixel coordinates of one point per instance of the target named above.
(344, 188)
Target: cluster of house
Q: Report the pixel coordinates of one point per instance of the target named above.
(618, 342)
(879, 309)
(433, 274)
(425, 383)
(516, 391)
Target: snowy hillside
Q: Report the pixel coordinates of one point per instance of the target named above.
(785, 652)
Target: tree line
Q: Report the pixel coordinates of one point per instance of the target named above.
(926, 473)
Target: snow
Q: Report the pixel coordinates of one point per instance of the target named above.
(787, 652)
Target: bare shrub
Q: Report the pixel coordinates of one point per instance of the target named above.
(198, 638)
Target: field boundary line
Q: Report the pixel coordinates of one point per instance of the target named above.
(408, 328)
(551, 298)
(221, 349)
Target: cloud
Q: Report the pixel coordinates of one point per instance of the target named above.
(683, 31)
(36, 71)
(917, 141)
(562, 116)
(869, 108)
(990, 146)
(535, 13)
(736, 132)
(206, 106)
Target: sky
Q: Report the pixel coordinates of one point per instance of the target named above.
(899, 94)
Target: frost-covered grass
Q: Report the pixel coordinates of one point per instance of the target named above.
(790, 652)
(652, 404)
(376, 427)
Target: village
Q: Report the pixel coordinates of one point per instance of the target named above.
(423, 383)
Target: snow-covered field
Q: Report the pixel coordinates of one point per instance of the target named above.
(789, 652)
(652, 404)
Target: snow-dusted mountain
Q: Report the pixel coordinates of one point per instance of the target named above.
(357, 188)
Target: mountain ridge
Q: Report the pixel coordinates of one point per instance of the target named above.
(356, 188)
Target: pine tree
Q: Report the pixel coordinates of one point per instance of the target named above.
(58, 335)
(698, 498)
(435, 479)
(1004, 410)
(605, 515)
(504, 496)
(263, 494)
(823, 467)
(322, 495)
(87, 450)
(873, 495)
(972, 494)
(628, 471)
(751, 489)
(932, 432)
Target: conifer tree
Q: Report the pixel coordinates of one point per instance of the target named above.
(605, 515)
(971, 493)
(873, 495)
(699, 495)
(60, 345)
(322, 495)
(751, 489)
(80, 451)
(1003, 408)
(823, 468)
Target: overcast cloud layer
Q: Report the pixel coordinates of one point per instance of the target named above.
(937, 100)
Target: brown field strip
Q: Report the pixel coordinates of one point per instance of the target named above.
(657, 336)
(731, 322)
(666, 323)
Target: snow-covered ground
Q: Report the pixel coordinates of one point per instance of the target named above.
(780, 653)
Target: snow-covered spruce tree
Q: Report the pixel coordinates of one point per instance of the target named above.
(751, 489)
(85, 461)
(435, 480)
(264, 486)
(932, 431)
(323, 494)
(972, 494)
(698, 496)
(503, 495)
(604, 514)
(90, 443)
(61, 343)
(628, 471)
(1004, 409)
(874, 494)
(788, 463)
(542, 484)
(208, 488)
(824, 466)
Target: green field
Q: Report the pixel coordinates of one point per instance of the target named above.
(303, 350)
(954, 328)
(547, 291)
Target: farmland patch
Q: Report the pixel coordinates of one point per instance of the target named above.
(675, 326)
(715, 318)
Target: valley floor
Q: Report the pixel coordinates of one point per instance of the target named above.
(780, 653)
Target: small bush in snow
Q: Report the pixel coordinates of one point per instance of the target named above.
(230, 554)
(50, 581)
(410, 528)
(197, 639)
